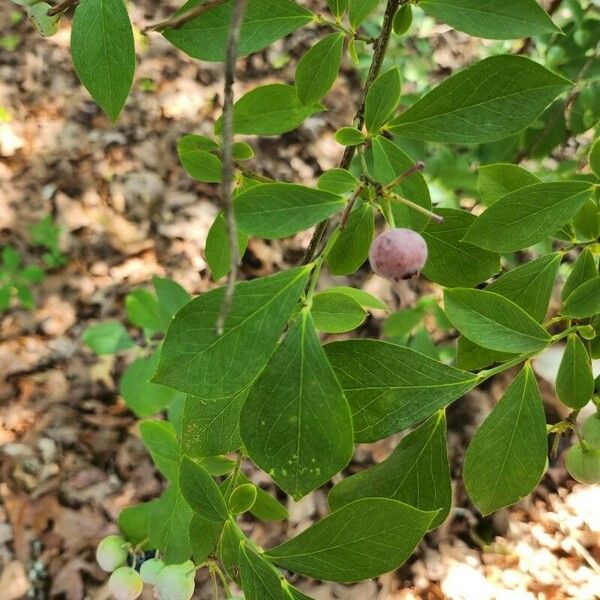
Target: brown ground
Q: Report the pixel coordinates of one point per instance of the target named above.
(70, 453)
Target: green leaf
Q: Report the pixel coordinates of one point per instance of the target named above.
(5, 296)
(141, 396)
(318, 69)
(506, 20)
(507, 457)
(201, 492)
(198, 161)
(134, 522)
(32, 274)
(363, 539)
(171, 296)
(363, 298)
(401, 323)
(271, 109)
(594, 158)
(496, 181)
(336, 313)
(403, 19)
(265, 21)
(453, 262)
(211, 427)
(260, 579)
(494, 322)
(211, 366)
(265, 507)
(25, 295)
(349, 136)
(338, 181)
(191, 142)
(242, 499)
(351, 248)
(337, 7)
(583, 270)
(217, 252)
(278, 210)
(107, 338)
(169, 526)
(530, 285)
(490, 100)
(528, 215)
(204, 537)
(103, 52)
(143, 310)
(228, 549)
(584, 301)
(160, 439)
(242, 151)
(472, 357)
(11, 259)
(390, 388)
(586, 223)
(416, 473)
(296, 424)
(382, 99)
(575, 380)
(359, 10)
(385, 162)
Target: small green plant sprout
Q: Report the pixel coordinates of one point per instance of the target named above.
(16, 279)
(151, 313)
(46, 234)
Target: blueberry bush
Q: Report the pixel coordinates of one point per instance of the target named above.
(243, 369)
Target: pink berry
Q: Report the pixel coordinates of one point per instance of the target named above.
(398, 254)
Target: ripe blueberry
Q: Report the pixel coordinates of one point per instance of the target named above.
(398, 254)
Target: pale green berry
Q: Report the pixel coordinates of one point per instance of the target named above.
(125, 584)
(591, 430)
(150, 570)
(38, 15)
(175, 582)
(111, 552)
(583, 463)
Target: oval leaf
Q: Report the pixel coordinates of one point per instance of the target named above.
(363, 539)
(334, 312)
(278, 210)
(296, 424)
(527, 215)
(494, 322)
(103, 52)
(575, 380)
(382, 99)
(417, 473)
(390, 388)
(584, 301)
(507, 457)
(489, 101)
(211, 366)
(201, 492)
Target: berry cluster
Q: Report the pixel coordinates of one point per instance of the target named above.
(171, 582)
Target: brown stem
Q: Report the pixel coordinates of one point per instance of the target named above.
(177, 20)
(418, 166)
(350, 206)
(379, 50)
(233, 42)
(62, 7)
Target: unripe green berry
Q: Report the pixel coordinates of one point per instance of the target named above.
(583, 463)
(175, 582)
(150, 570)
(111, 552)
(591, 430)
(125, 584)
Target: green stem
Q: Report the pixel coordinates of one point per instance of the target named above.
(339, 27)
(223, 579)
(488, 373)
(415, 206)
(234, 476)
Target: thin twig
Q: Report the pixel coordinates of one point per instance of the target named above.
(239, 8)
(350, 206)
(414, 206)
(379, 50)
(62, 7)
(179, 19)
(418, 166)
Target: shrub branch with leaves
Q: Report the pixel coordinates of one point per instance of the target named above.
(243, 367)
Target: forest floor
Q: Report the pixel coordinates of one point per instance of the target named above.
(70, 452)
